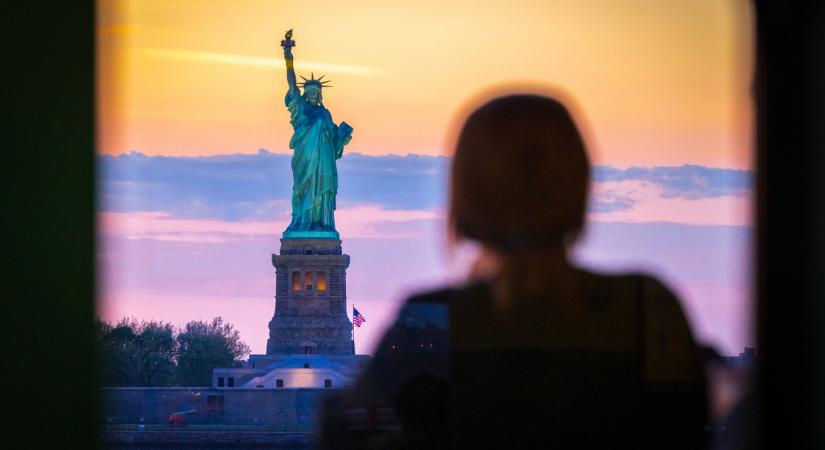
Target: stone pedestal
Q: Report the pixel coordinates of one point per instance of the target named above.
(310, 299)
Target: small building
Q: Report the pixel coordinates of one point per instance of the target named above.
(292, 372)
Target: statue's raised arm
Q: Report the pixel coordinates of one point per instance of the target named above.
(316, 143)
(287, 43)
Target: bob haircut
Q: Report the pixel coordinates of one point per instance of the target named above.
(520, 175)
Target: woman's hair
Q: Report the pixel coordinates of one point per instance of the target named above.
(520, 178)
(520, 175)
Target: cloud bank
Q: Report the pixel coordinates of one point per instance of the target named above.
(258, 186)
(686, 181)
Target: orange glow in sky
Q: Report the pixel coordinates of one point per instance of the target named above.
(658, 82)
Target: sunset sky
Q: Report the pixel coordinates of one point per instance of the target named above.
(659, 83)
(195, 89)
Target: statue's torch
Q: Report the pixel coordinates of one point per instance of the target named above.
(287, 43)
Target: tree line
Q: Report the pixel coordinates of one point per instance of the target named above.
(154, 353)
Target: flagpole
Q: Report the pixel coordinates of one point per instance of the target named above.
(353, 328)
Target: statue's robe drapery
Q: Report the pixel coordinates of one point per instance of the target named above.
(316, 143)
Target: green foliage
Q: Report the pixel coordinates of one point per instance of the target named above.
(153, 353)
(204, 346)
(136, 353)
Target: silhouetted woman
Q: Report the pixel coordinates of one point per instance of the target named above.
(534, 352)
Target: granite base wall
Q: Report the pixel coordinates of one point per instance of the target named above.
(274, 409)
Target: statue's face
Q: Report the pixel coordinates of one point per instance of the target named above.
(313, 96)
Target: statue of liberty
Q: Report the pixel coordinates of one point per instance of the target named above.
(316, 143)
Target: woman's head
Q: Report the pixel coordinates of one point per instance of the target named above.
(520, 175)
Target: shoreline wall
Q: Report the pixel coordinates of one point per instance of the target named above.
(270, 409)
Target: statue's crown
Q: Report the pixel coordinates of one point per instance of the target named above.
(312, 83)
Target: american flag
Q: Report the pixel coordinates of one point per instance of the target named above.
(357, 318)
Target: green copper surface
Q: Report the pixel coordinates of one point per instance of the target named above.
(316, 145)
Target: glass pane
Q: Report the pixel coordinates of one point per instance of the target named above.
(196, 178)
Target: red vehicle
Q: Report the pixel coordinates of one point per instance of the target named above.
(179, 418)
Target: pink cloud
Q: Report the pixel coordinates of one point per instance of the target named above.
(363, 221)
(650, 206)
(164, 226)
(373, 221)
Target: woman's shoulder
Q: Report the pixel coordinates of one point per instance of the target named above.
(670, 345)
(655, 299)
(636, 284)
(654, 292)
(432, 306)
(445, 294)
